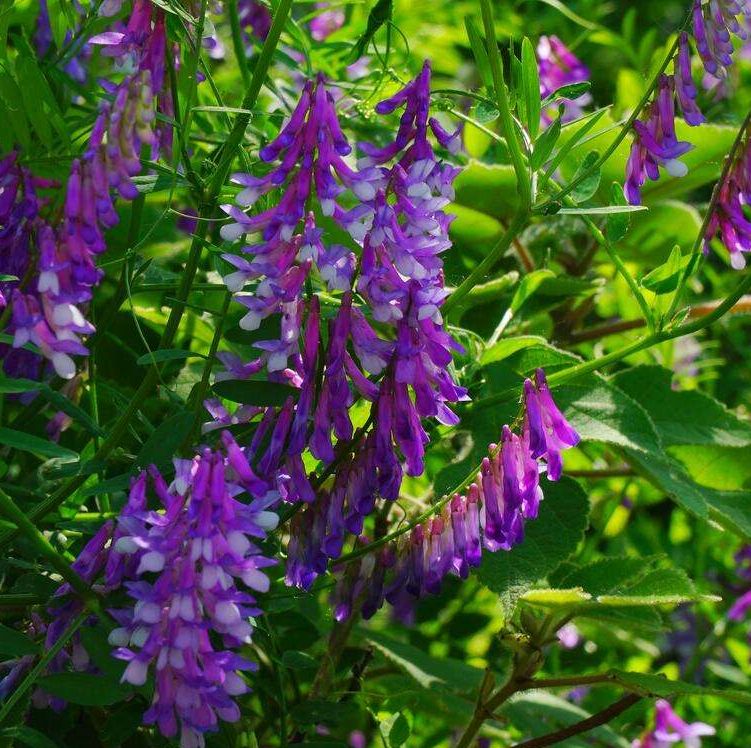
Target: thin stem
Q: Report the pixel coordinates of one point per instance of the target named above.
(596, 720)
(611, 149)
(237, 42)
(471, 281)
(508, 127)
(44, 548)
(576, 680)
(556, 378)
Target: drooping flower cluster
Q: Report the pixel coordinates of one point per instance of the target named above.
(48, 311)
(559, 67)
(671, 730)
(490, 516)
(729, 220)
(393, 352)
(187, 568)
(655, 146)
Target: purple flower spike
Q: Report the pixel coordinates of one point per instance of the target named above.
(187, 572)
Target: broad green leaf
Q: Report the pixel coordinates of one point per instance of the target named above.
(395, 730)
(664, 279)
(669, 586)
(604, 413)
(84, 688)
(617, 224)
(15, 643)
(529, 284)
(682, 417)
(570, 91)
(254, 391)
(427, 670)
(549, 540)
(30, 443)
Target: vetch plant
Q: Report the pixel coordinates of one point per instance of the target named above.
(302, 305)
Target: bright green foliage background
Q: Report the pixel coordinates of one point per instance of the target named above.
(636, 544)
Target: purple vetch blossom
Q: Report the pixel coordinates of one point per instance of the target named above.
(50, 312)
(685, 88)
(569, 636)
(656, 143)
(491, 516)
(326, 21)
(187, 570)
(670, 730)
(729, 222)
(714, 24)
(558, 67)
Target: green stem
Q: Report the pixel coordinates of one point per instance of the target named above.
(611, 149)
(711, 208)
(43, 546)
(472, 280)
(508, 127)
(559, 377)
(237, 42)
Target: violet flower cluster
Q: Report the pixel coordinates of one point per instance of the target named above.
(670, 730)
(188, 570)
(558, 66)
(48, 306)
(392, 351)
(656, 145)
(742, 605)
(729, 219)
(490, 516)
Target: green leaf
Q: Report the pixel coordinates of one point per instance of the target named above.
(588, 186)
(529, 284)
(30, 443)
(162, 445)
(479, 52)
(545, 143)
(429, 671)
(556, 597)
(167, 354)
(664, 279)
(315, 711)
(574, 135)
(530, 88)
(570, 92)
(607, 210)
(255, 391)
(540, 713)
(603, 413)
(669, 586)
(84, 688)
(687, 417)
(296, 660)
(26, 736)
(378, 16)
(617, 224)
(548, 541)
(659, 686)
(395, 730)
(15, 643)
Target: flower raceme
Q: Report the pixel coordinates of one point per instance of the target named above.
(491, 515)
(387, 345)
(49, 310)
(656, 146)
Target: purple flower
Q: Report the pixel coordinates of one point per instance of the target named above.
(492, 514)
(656, 144)
(326, 22)
(728, 221)
(670, 729)
(187, 570)
(558, 67)
(714, 25)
